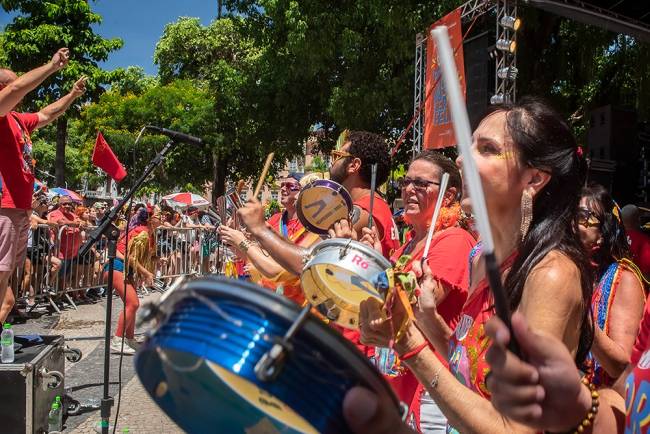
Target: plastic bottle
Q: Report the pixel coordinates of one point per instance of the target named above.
(7, 339)
(58, 401)
(53, 418)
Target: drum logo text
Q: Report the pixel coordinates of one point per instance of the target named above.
(358, 260)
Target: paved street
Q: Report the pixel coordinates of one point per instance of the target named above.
(83, 379)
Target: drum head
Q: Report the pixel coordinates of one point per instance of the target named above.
(199, 364)
(321, 204)
(341, 275)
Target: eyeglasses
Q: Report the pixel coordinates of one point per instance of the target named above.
(336, 155)
(419, 184)
(587, 218)
(291, 186)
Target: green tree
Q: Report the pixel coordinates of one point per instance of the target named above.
(252, 112)
(36, 33)
(181, 105)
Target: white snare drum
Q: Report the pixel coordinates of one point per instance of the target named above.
(321, 204)
(340, 274)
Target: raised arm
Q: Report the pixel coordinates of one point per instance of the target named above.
(57, 108)
(16, 90)
(286, 254)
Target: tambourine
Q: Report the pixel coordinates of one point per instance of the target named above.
(212, 362)
(322, 203)
(339, 275)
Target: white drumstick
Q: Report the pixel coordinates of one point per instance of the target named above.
(471, 176)
(441, 194)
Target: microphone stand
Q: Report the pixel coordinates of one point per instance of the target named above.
(107, 227)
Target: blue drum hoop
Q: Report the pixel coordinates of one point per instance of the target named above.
(336, 190)
(233, 324)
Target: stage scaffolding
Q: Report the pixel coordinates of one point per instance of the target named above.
(505, 82)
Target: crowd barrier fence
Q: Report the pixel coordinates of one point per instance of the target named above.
(53, 272)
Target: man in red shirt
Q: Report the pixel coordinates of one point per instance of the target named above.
(16, 163)
(351, 167)
(639, 242)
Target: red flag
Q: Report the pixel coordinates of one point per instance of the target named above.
(105, 159)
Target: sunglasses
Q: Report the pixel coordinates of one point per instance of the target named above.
(587, 218)
(419, 184)
(336, 155)
(292, 186)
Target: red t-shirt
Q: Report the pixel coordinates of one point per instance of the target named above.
(292, 227)
(448, 261)
(383, 218)
(70, 240)
(16, 162)
(640, 249)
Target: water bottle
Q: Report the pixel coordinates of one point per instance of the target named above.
(7, 339)
(60, 421)
(53, 419)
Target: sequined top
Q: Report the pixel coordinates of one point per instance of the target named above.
(469, 343)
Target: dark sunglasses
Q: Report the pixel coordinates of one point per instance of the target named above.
(587, 218)
(290, 186)
(419, 184)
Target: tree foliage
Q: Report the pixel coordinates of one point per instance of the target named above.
(40, 29)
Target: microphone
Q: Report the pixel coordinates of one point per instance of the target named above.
(175, 135)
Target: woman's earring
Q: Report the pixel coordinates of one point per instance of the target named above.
(526, 212)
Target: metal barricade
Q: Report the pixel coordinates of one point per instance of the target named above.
(53, 270)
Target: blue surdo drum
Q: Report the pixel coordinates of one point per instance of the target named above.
(220, 361)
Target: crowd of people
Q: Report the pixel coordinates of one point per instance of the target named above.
(574, 267)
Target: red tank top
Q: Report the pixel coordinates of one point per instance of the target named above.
(469, 343)
(383, 217)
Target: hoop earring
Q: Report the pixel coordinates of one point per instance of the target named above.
(526, 212)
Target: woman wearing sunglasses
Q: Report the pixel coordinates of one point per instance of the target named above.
(449, 246)
(618, 298)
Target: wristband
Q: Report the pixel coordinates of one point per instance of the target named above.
(415, 351)
(244, 245)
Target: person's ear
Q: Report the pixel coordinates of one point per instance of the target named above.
(536, 180)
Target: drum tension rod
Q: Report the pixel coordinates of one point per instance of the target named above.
(271, 363)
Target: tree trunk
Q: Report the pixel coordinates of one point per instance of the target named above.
(59, 161)
(218, 176)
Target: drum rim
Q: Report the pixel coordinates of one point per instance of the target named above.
(320, 182)
(314, 327)
(337, 242)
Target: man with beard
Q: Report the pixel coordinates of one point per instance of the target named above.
(351, 167)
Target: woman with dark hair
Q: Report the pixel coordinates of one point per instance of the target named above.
(140, 239)
(420, 188)
(618, 298)
(531, 171)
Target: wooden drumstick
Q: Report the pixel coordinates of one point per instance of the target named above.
(373, 187)
(265, 170)
(436, 211)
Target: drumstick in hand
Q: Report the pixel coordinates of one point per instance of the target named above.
(441, 195)
(373, 187)
(265, 170)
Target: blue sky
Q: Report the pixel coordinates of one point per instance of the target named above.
(140, 24)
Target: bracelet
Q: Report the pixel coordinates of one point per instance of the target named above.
(415, 351)
(244, 245)
(591, 413)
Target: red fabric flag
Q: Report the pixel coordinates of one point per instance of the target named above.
(105, 159)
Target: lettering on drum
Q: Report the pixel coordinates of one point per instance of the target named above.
(329, 214)
(321, 204)
(358, 260)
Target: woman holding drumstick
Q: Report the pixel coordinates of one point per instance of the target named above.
(531, 172)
